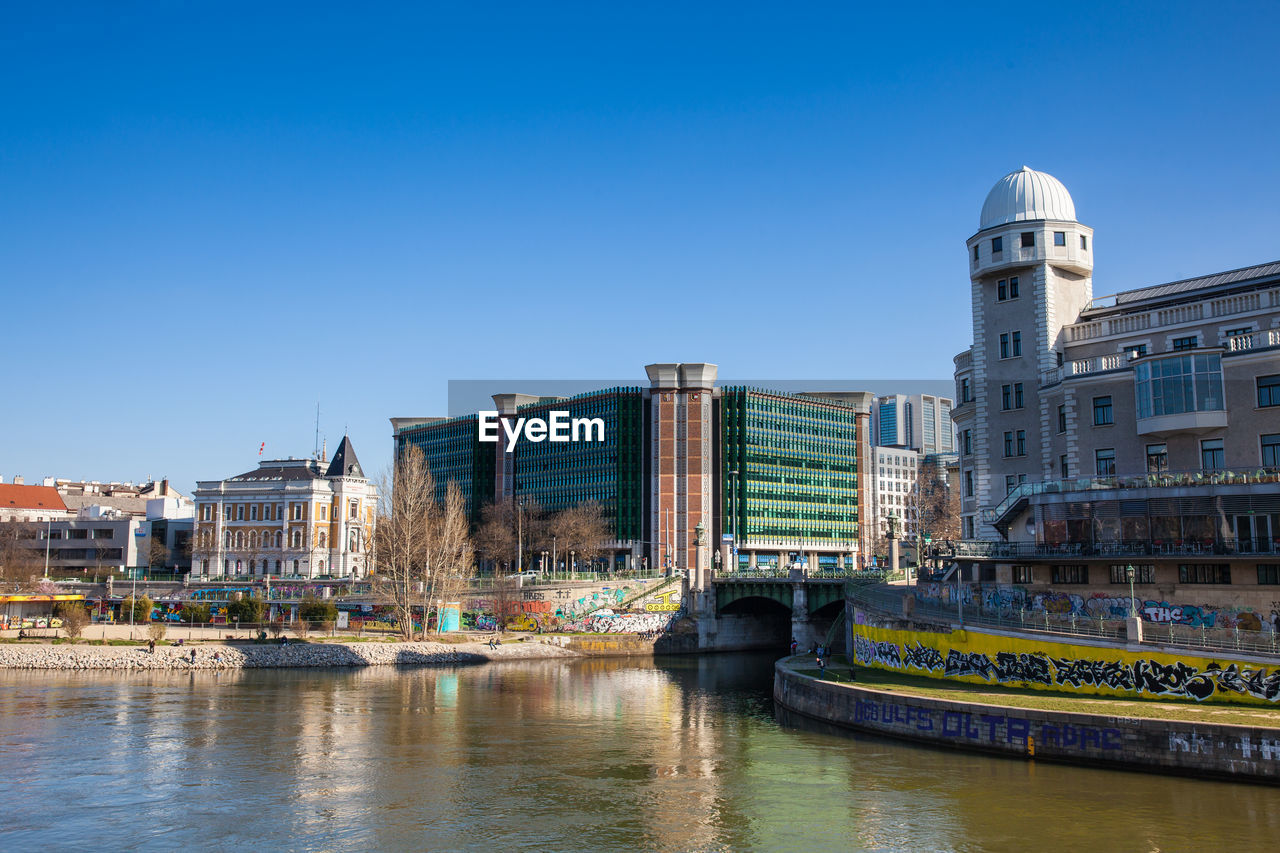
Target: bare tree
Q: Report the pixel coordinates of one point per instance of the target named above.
(157, 553)
(496, 535)
(580, 529)
(21, 560)
(423, 548)
(937, 505)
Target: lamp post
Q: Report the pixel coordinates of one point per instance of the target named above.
(554, 566)
(715, 558)
(48, 535)
(699, 539)
(519, 533)
(1129, 574)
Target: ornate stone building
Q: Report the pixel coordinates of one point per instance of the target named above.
(287, 518)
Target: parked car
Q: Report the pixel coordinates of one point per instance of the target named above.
(527, 574)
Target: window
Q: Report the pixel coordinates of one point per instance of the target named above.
(967, 436)
(1069, 574)
(103, 533)
(1102, 411)
(975, 253)
(1002, 290)
(1028, 239)
(1157, 458)
(1004, 345)
(1269, 390)
(295, 539)
(1017, 395)
(324, 512)
(1211, 457)
(1268, 574)
(1022, 442)
(1013, 287)
(997, 245)
(324, 539)
(1084, 242)
(1017, 344)
(1183, 344)
(226, 512)
(239, 512)
(297, 512)
(968, 484)
(1178, 384)
(1135, 351)
(1006, 397)
(1271, 450)
(1022, 574)
(1010, 483)
(1204, 573)
(1008, 443)
(253, 512)
(355, 509)
(205, 512)
(1235, 333)
(1062, 467)
(77, 534)
(1059, 238)
(1062, 418)
(966, 391)
(1141, 574)
(1105, 459)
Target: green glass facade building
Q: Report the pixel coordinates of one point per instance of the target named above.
(454, 453)
(558, 475)
(796, 460)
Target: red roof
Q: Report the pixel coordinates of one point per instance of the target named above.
(30, 497)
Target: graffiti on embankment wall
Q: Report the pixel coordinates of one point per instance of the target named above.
(1044, 665)
(1096, 605)
(1236, 751)
(622, 623)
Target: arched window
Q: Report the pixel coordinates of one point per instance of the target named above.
(324, 539)
(278, 541)
(226, 539)
(320, 567)
(296, 539)
(354, 544)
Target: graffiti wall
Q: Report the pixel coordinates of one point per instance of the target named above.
(990, 659)
(608, 622)
(1105, 605)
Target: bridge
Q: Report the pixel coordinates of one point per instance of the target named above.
(761, 607)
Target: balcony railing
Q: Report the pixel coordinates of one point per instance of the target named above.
(1160, 479)
(1177, 315)
(1221, 546)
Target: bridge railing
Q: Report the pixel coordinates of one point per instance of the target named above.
(861, 576)
(888, 600)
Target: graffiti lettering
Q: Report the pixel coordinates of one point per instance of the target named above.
(921, 656)
(972, 663)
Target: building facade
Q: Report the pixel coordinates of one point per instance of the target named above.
(921, 422)
(297, 518)
(685, 469)
(895, 478)
(1138, 429)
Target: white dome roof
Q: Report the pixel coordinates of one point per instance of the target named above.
(1026, 195)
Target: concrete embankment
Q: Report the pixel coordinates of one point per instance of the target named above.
(251, 656)
(1242, 753)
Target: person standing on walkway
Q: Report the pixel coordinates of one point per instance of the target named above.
(151, 646)
(193, 657)
(794, 646)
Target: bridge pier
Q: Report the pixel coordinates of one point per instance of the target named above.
(805, 633)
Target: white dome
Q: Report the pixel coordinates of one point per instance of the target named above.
(1027, 195)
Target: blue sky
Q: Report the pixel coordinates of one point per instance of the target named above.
(214, 216)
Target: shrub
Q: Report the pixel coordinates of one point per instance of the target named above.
(74, 619)
(276, 628)
(141, 608)
(301, 629)
(247, 609)
(314, 609)
(193, 612)
(157, 631)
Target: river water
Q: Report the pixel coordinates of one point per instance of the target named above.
(587, 755)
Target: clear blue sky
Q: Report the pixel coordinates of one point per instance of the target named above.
(214, 215)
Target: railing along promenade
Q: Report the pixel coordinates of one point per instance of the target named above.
(1218, 546)
(888, 601)
(1154, 480)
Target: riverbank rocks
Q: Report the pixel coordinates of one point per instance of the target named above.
(212, 656)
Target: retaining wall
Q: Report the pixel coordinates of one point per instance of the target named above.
(1242, 753)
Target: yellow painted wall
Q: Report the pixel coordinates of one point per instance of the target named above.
(980, 658)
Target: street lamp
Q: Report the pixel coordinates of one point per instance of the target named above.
(699, 539)
(1129, 574)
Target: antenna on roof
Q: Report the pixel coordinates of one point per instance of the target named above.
(316, 447)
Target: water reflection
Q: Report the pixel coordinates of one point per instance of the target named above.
(677, 754)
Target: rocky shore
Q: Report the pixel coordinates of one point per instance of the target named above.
(212, 656)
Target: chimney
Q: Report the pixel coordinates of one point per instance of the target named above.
(164, 487)
(17, 480)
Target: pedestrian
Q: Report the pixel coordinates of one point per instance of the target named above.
(151, 646)
(793, 646)
(822, 667)
(193, 657)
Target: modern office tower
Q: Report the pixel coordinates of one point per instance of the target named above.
(920, 422)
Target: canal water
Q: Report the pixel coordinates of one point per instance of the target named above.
(677, 754)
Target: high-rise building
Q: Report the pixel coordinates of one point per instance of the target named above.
(920, 422)
(773, 473)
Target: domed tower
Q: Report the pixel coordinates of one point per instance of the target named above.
(1030, 269)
